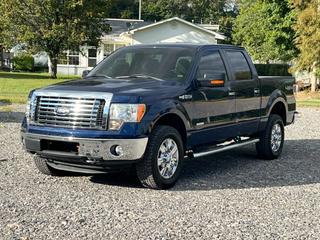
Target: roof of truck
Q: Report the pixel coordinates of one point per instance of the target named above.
(188, 45)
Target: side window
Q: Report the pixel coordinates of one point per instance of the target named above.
(210, 64)
(239, 65)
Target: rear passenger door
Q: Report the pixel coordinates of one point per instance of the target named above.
(246, 88)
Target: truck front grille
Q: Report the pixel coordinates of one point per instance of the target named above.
(70, 109)
(69, 112)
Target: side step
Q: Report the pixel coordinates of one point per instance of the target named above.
(223, 147)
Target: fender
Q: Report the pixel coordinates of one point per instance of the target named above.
(163, 108)
(276, 96)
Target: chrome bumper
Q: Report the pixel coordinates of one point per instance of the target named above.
(133, 149)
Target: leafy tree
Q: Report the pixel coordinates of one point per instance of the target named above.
(264, 27)
(122, 8)
(308, 36)
(53, 25)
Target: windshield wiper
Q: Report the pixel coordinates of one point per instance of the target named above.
(139, 76)
(98, 75)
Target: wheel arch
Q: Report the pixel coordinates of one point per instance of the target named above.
(174, 120)
(279, 107)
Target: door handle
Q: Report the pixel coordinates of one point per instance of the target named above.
(256, 91)
(231, 93)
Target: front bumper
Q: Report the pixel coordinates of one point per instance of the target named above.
(86, 148)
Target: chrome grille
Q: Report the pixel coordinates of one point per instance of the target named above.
(72, 110)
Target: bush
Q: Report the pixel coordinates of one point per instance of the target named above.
(273, 69)
(23, 62)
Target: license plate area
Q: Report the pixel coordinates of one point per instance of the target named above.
(61, 146)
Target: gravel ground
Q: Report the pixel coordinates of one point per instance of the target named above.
(230, 195)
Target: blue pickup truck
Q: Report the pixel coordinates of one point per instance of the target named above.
(151, 106)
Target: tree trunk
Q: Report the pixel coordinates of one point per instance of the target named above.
(53, 66)
(313, 80)
(1, 57)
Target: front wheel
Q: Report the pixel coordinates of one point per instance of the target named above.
(162, 162)
(271, 140)
(43, 167)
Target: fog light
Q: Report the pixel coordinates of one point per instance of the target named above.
(116, 150)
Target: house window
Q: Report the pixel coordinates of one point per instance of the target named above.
(92, 57)
(110, 47)
(69, 58)
(73, 58)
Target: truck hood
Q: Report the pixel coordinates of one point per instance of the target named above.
(137, 87)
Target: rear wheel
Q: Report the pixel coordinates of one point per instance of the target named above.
(271, 140)
(43, 167)
(162, 162)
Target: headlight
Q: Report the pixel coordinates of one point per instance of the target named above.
(31, 104)
(121, 113)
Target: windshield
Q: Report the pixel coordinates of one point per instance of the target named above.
(159, 63)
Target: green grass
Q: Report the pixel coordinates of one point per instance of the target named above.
(14, 87)
(308, 103)
(308, 99)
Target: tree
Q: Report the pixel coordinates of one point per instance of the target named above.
(264, 27)
(308, 37)
(53, 25)
(122, 8)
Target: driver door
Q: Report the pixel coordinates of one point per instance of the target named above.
(213, 106)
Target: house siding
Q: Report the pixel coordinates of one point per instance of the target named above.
(172, 32)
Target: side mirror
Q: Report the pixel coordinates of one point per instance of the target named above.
(212, 80)
(85, 73)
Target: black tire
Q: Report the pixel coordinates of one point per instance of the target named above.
(43, 167)
(264, 146)
(147, 169)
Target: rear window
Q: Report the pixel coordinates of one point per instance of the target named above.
(239, 65)
(273, 69)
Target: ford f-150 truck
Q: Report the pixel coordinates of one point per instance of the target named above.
(151, 106)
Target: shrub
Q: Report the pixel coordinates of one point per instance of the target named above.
(23, 62)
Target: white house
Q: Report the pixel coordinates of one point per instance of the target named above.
(130, 32)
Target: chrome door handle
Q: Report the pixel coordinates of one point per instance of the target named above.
(232, 93)
(256, 91)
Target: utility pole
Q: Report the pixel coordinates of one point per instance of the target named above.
(140, 6)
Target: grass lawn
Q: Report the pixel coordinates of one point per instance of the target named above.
(308, 99)
(15, 86)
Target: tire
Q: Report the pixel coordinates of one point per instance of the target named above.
(43, 167)
(150, 173)
(271, 143)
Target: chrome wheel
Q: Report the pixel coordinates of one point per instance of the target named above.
(276, 137)
(168, 158)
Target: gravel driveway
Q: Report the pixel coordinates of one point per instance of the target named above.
(230, 195)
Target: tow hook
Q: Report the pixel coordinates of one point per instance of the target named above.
(92, 160)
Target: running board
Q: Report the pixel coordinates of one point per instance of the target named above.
(225, 148)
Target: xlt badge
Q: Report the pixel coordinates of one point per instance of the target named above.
(185, 97)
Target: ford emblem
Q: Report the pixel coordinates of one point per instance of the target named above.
(62, 111)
